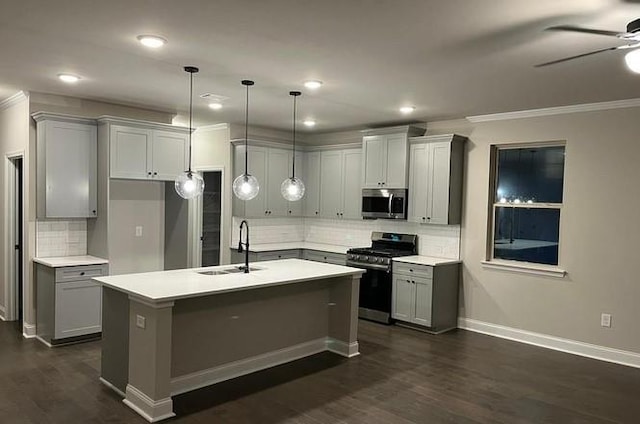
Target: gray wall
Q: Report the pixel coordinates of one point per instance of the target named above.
(598, 234)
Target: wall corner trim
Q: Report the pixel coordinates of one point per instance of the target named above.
(602, 353)
(28, 331)
(14, 99)
(558, 110)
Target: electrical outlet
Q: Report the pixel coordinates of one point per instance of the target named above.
(605, 320)
(139, 231)
(141, 322)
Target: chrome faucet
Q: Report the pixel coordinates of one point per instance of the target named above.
(244, 223)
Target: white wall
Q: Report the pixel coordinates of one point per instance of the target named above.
(14, 138)
(599, 230)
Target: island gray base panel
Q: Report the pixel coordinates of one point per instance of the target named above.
(115, 339)
(196, 342)
(220, 337)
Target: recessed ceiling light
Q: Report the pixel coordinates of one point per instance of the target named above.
(313, 84)
(309, 123)
(215, 106)
(152, 41)
(69, 78)
(407, 109)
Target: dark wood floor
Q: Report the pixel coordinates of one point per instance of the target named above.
(402, 376)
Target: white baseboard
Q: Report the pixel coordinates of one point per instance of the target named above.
(588, 350)
(197, 380)
(40, 339)
(348, 350)
(151, 410)
(112, 387)
(3, 313)
(28, 330)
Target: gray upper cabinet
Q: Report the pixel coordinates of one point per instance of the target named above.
(385, 157)
(66, 158)
(435, 179)
(340, 184)
(271, 166)
(311, 199)
(146, 151)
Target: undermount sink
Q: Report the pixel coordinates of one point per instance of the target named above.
(224, 271)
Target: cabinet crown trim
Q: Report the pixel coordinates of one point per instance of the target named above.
(287, 145)
(61, 117)
(410, 130)
(107, 119)
(437, 138)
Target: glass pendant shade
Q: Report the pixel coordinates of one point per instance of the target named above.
(246, 187)
(292, 189)
(189, 185)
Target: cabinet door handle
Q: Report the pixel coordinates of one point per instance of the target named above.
(316, 212)
(93, 211)
(408, 281)
(149, 173)
(155, 173)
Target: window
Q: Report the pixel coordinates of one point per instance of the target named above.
(527, 202)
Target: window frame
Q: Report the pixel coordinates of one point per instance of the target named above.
(493, 204)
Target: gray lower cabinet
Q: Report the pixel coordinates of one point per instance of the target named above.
(426, 296)
(68, 303)
(326, 257)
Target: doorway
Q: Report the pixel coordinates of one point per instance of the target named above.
(211, 212)
(15, 240)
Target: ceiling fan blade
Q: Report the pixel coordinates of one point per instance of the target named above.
(583, 30)
(553, 62)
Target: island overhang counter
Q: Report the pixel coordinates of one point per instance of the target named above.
(166, 333)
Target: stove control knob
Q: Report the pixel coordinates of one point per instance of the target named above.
(365, 258)
(379, 260)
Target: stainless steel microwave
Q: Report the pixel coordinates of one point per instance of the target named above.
(384, 203)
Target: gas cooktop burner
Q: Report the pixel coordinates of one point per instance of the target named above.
(386, 253)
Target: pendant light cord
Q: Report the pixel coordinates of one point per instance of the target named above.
(293, 170)
(190, 117)
(295, 94)
(246, 132)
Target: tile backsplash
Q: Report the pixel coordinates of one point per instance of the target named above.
(441, 241)
(61, 238)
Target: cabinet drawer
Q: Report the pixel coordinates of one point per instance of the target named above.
(326, 257)
(279, 254)
(76, 273)
(422, 271)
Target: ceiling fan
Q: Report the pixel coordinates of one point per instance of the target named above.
(631, 36)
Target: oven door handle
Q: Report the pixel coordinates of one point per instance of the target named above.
(369, 266)
(390, 203)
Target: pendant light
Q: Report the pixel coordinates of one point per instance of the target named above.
(246, 186)
(190, 184)
(292, 188)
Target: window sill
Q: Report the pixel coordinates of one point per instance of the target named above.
(528, 268)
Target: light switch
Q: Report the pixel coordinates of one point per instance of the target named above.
(139, 231)
(141, 321)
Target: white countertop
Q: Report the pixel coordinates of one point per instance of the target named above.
(62, 261)
(269, 247)
(184, 283)
(426, 260)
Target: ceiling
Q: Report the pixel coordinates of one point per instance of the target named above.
(450, 59)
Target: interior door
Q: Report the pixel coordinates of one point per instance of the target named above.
(19, 243)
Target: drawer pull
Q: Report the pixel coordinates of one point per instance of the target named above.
(82, 273)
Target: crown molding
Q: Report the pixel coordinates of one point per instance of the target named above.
(108, 119)
(45, 116)
(559, 110)
(212, 127)
(13, 100)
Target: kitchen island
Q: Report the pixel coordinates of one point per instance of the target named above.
(170, 332)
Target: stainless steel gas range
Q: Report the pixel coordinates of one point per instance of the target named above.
(375, 285)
